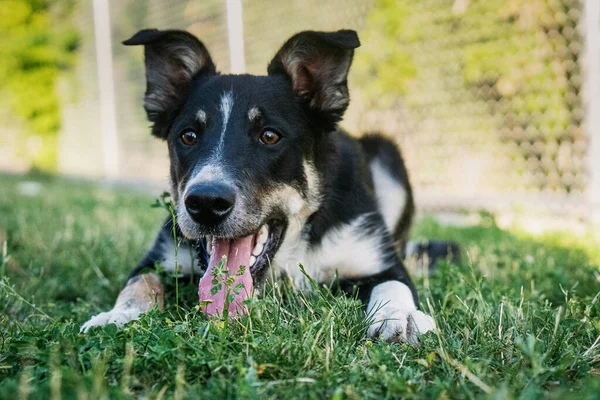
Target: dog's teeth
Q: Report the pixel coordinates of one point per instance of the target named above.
(252, 260)
(263, 234)
(258, 249)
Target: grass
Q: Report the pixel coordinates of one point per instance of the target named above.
(519, 318)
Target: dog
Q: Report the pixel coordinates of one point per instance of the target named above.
(263, 179)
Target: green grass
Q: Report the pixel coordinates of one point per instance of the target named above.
(518, 318)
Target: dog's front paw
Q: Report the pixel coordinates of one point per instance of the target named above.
(397, 325)
(394, 314)
(117, 316)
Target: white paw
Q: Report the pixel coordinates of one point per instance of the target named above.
(397, 325)
(117, 316)
(394, 315)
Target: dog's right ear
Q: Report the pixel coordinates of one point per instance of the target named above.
(317, 64)
(173, 58)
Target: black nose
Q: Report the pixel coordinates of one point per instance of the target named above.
(209, 203)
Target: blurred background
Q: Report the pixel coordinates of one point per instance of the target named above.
(495, 103)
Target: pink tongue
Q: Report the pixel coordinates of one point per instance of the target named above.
(238, 252)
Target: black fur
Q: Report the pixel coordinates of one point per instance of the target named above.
(302, 98)
(362, 287)
(173, 60)
(347, 186)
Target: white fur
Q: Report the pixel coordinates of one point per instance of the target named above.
(186, 259)
(118, 316)
(225, 108)
(201, 116)
(391, 195)
(411, 249)
(139, 295)
(253, 114)
(350, 252)
(292, 251)
(345, 250)
(394, 314)
(207, 173)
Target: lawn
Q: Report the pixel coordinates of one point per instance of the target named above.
(518, 317)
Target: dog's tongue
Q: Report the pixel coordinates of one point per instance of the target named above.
(238, 252)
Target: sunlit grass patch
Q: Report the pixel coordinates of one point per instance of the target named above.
(518, 317)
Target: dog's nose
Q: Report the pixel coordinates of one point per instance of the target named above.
(209, 203)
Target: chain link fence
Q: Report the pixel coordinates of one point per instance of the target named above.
(485, 98)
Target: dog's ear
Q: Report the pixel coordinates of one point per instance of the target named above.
(173, 58)
(317, 65)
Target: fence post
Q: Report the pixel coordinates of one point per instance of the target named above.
(235, 34)
(108, 119)
(591, 93)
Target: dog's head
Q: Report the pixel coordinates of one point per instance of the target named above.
(244, 148)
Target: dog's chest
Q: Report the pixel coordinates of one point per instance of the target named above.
(344, 252)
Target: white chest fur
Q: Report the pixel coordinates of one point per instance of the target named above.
(347, 251)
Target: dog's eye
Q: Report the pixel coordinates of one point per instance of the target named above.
(189, 138)
(269, 137)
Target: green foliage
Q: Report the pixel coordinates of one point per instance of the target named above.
(486, 73)
(384, 69)
(527, 53)
(520, 54)
(37, 42)
(517, 318)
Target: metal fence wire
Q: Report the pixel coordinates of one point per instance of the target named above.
(485, 97)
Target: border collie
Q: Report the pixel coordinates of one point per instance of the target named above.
(263, 180)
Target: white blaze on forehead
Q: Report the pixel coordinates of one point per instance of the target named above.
(225, 108)
(201, 116)
(253, 114)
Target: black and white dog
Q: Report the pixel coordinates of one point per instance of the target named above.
(262, 174)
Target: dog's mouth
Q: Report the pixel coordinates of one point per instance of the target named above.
(234, 265)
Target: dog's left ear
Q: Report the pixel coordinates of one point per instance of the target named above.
(173, 59)
(317, 65)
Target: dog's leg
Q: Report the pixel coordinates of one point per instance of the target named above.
(394, 314)
(388, 293)
(140, 294)
(391, 305)
(143, 291)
